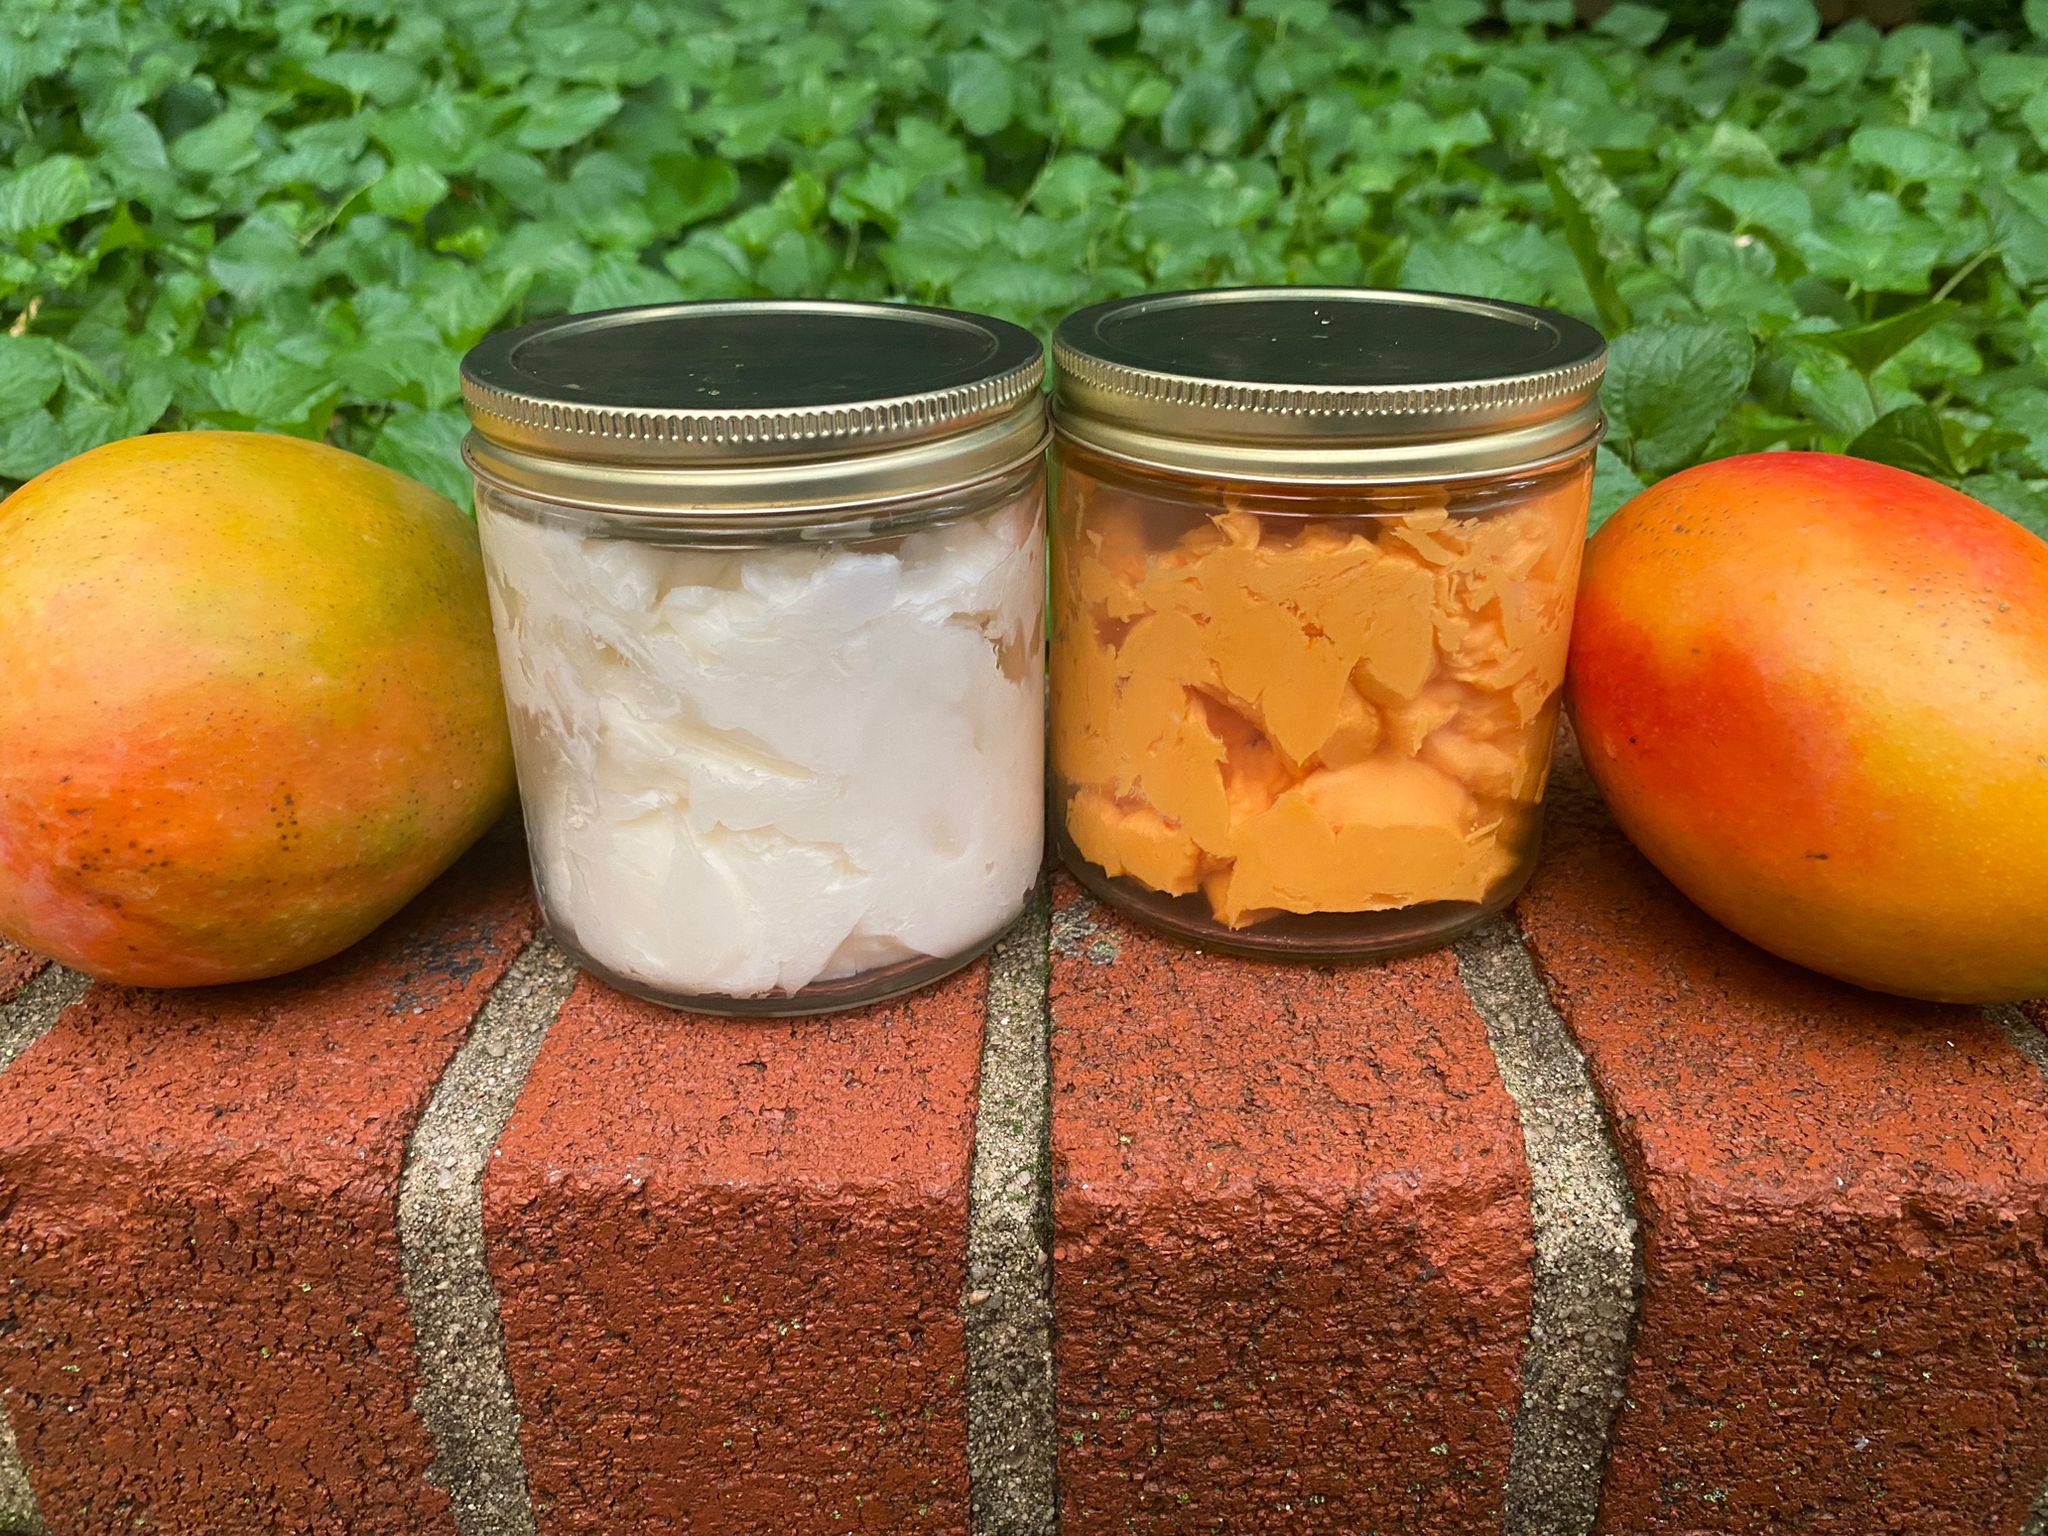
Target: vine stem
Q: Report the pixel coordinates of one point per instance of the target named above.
(1956, 278)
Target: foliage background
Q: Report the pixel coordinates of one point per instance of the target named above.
(297, 215)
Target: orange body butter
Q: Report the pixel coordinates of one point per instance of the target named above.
(1307, 707)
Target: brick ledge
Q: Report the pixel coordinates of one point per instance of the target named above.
(1731, 1248)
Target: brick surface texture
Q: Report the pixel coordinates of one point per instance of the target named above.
(1291, 1241)
(1845, 1321)
(203, 1328)
(17, 969)
(730, 1256)
(1291, 1271)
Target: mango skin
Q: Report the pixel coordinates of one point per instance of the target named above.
(1814, 691)
(250, 708)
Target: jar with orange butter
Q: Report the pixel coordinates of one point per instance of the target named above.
(1314, 554)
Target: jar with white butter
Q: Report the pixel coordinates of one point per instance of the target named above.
(768, 582)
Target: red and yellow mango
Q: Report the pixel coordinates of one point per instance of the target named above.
(1814, 691)
(250, 705)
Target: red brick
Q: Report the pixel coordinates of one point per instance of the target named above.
(18, 967)
(198, 1232)
(1291, 1226)
(1845, 1319)
(730, 1257)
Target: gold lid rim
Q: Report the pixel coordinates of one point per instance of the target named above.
(1170, 398)
(831, 431)
(1310, 465)
(1150, 387)
(774, 493)
(521, 413)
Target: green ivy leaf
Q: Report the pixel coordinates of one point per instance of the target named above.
(460, 303)
(796, 261)
(324, 166)
(441, 128)
(703, 271)
(2010, 81)
(1452, 15)
(1767, 203)
(220, 147)
(1206, 112)
(1539, 16)
(402, 367)
(1632, 25)
(618, 281)
(1910, 438)
(687, 189)
(149, 391)
(33, 442)
(1461, 267)
(408, 192)
(1826, 386)
(557, 121)
(259, 259)
(47, 437)
(2021, 235)
(1614, 485)
(384, 78)
(130, 145)
(1086, 119)
(981, 91)
(1020, 288)
(1874, 244)
(41, 198)
(1770, 28)
(264, 386)
(426, 445)
(940, 242)
(1983, 449)
(1668, 385)
(1869, 347)
(1070, 185)
(31, 368)
(1911, 155)
(2035, 115)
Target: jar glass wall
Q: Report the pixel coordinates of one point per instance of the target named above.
(798, 775)
(1318, 721)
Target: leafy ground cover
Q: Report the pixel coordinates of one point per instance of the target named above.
(297, 215)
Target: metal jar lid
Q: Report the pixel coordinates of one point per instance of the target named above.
(752, 406)
(1320, 384)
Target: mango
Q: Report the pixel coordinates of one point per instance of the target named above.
(1814, 691)
(250, 705)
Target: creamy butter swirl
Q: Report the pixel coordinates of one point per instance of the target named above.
(744, 772)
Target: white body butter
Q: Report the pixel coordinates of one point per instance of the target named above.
(745, 772)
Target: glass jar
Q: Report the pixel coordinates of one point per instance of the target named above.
(1314, 559)
(768, 583)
